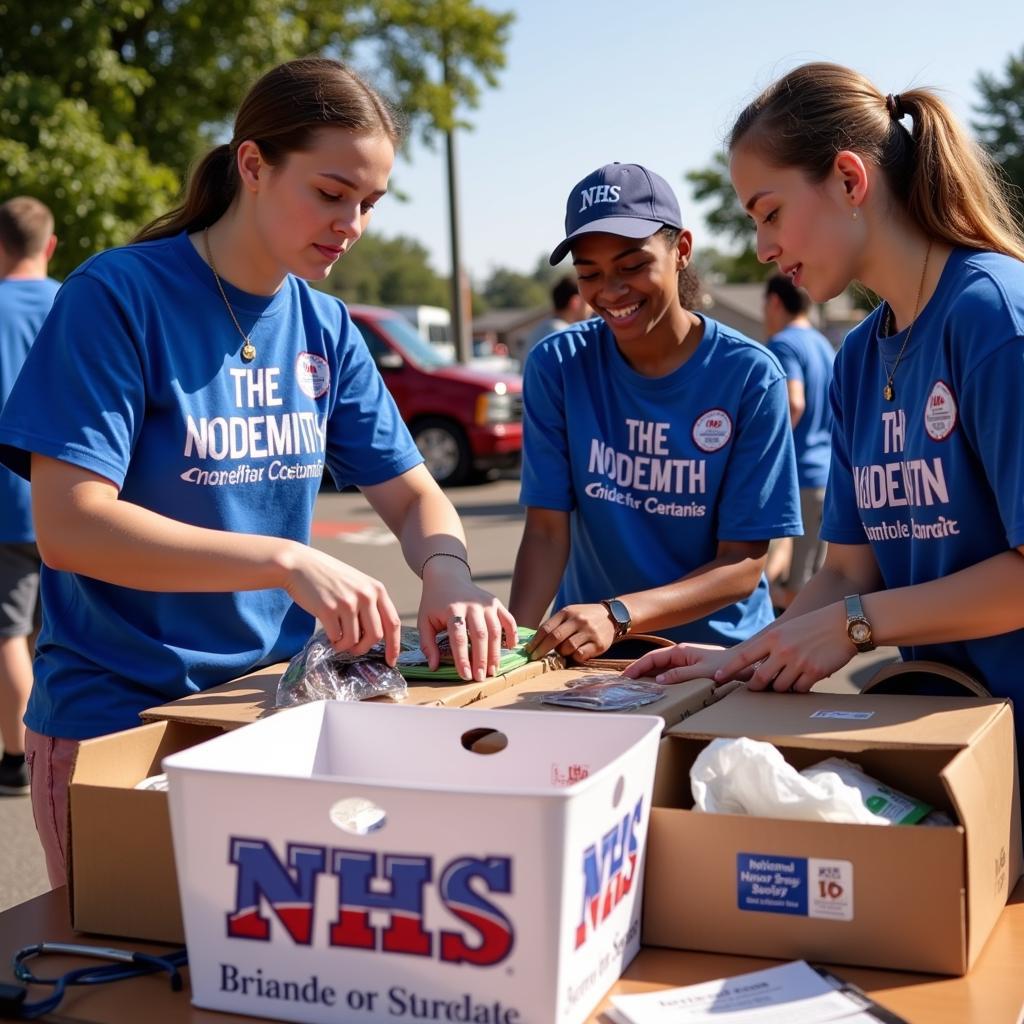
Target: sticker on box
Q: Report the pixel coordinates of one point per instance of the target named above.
(795, 885)
(858, 715)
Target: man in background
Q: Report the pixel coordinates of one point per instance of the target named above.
(806, 357)
(569, 308)
(27, 242)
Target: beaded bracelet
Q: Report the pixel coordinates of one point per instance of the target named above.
(444, 554)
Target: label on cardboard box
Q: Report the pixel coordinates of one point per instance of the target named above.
(857, 715)
(807, 887)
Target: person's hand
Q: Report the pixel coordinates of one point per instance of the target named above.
(678, 664)
(793, 654)
(353, 608)
(579, 631)
(474, 618)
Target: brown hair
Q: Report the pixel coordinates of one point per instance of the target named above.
(281, 113)
(689, 282)
(946, 183)
(26, 225)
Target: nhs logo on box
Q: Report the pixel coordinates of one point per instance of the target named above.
(394, 885)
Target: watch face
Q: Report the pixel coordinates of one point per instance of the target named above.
(860, 632)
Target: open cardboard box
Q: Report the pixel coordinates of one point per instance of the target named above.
(121, 872)
(910, 897)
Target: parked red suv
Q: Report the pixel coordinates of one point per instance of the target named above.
(463, 419)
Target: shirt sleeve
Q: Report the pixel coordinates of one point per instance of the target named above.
(841, 522)
(786, 355)
(81, 394)
(760, 496)
(546, 473)
(992, 414)
(367, 441)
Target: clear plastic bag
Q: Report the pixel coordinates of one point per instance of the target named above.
(606, 693)
(318, 672)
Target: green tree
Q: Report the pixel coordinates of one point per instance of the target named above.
(1000, 125)
(387, 272)
(727, 218)
(508, 289)
(105, 103)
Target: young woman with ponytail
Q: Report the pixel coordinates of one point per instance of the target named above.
(924, 514)
(177, 412)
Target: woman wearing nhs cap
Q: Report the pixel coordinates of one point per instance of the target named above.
(658, 459)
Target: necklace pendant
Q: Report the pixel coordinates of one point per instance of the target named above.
(248, 352)
(888, 393)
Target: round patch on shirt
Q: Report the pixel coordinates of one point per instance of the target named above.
(313, 373)
(712, 430)
(940, 412)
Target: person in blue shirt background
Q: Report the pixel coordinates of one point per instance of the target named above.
(806, 356)
(177, 412)
(657, 453)
(27, 243)
(924, 515)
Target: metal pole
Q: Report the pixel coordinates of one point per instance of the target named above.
(461, 334)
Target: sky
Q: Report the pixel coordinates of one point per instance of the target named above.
(659, 82)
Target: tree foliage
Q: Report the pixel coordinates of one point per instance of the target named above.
(387, 272)
(1000, 124)
(727, 218)
(508, 289)
(105, 103)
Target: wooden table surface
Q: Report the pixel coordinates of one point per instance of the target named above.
(993, 993)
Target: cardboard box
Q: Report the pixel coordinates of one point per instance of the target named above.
(909, 897)
(121, 866)
(680, 701)
(121, 878)
(251, 698)
(366, 850)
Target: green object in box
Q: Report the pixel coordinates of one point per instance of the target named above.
(510, 659)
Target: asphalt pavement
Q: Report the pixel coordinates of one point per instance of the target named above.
(347, 528)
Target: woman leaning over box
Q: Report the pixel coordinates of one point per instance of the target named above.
(178, 409)
(658, 459)
(924, 514)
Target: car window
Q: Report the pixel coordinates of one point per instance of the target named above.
(410, 344)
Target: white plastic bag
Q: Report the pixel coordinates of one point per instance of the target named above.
(744, 776)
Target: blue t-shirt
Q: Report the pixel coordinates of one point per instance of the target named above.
(934, 480)
(655, 471)
(24, 304)
(137, 376)
(807, 356)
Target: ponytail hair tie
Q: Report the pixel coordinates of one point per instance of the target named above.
(894, 104)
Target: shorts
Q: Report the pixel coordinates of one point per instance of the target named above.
(19, 589)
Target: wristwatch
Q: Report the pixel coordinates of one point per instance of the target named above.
(619, 614)
(858, 629)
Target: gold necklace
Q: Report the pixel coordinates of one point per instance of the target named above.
(889, 392)
(248, 349)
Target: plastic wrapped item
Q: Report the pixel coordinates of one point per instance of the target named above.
(318, 672)
(156, 782)
(745, 776)
(412, 662)
(878, 798)
(606, 693)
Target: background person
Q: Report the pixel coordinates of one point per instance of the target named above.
(568, 308)
(177, 454)
(806, 356)
(27, 243)
(924, 515)
(657, 455)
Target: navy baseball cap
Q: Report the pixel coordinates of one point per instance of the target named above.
(622, 199)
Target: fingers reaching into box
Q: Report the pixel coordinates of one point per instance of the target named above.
(678, 664)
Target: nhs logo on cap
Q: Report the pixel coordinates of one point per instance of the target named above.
(392, 887)
(598, 194)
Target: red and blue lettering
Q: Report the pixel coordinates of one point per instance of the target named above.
(356, 871)
(494, 928)
(609, 868)
(289, 893)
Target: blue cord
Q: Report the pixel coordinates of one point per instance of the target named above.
(130, 965)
